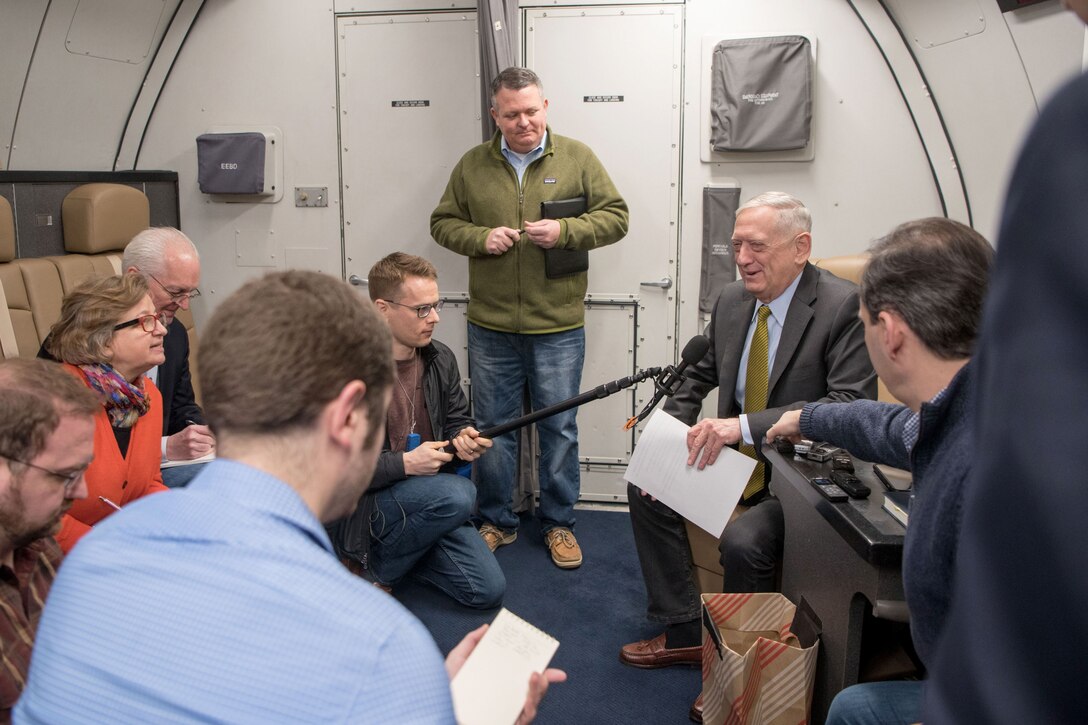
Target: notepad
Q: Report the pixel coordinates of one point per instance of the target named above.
(564, 262)
(206, 458)
(491, 687)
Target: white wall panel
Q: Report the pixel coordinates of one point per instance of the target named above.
(254, 63)
(19, 25)
(868, 172)
(75, 104)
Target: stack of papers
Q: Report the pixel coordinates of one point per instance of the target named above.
(659, 466)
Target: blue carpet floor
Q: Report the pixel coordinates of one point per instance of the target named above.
(593, 611)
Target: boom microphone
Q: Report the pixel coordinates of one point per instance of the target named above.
(670, 379)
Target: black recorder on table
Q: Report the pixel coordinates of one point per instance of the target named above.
(841, 486)
(829, 490)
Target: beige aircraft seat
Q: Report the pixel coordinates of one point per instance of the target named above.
(32, 293)
(99, 221)
(850, 267)
(8, 346)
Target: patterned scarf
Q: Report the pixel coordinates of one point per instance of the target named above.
(124, 402)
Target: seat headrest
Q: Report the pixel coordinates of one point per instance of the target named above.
(849, 267)
(7, 231)
(103, 217)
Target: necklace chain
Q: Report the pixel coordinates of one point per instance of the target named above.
(410, 398)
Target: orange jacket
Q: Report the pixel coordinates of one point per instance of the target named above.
(121, 480)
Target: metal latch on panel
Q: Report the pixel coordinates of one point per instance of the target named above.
(311, 196)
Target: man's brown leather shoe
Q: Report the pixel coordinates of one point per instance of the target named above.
(652, 653)
(695, 714)
(566, 554)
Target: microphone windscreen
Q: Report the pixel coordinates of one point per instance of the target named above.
(695, 349)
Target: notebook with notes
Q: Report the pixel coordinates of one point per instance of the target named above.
(491, 687)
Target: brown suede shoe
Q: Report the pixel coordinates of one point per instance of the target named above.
(695, 714)
(495, 537)
(566, 554)
(651, 653)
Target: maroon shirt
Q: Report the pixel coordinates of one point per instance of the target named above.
(22, 597)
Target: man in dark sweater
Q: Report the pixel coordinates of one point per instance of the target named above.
(921, 302)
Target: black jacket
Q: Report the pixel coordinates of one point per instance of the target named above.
(447, 409)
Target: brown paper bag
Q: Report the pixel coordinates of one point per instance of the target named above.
(755, 669)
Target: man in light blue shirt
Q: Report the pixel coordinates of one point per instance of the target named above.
(223, 601)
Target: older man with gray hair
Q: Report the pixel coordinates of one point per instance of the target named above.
(785, 334)
(169, 261)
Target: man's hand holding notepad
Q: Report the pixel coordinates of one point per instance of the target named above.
(659, 466)
(498, 674)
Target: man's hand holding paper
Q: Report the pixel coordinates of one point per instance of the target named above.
(662, 467)
(709, 436)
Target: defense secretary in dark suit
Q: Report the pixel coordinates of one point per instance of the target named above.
(806, 326)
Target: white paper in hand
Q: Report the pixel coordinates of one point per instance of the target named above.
(491, 687)
(659, 466)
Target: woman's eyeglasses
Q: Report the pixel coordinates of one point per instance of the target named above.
(146, 322)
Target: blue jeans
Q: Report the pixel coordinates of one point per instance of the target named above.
(420, 526)
(878, 703)
(179, 476)
(501, 364)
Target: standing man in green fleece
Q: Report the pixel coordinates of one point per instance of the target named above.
(524, 327)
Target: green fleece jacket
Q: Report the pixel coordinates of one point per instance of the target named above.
(509, 292)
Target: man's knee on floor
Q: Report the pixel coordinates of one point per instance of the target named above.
(488, 594)
(454, 496)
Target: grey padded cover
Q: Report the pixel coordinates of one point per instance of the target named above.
(719, 267)
(231, 163)
(761, 94)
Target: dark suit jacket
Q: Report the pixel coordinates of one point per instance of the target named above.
(178, 400)
(821, 353)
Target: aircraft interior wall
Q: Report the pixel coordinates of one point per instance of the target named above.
(918, 110)
(65, 105)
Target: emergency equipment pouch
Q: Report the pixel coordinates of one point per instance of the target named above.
(761, 94)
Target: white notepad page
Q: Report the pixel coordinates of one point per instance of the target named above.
(491, 687)
(659, 466)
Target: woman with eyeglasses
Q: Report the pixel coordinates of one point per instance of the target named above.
(108, 335)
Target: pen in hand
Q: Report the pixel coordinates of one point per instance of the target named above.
(106, 501)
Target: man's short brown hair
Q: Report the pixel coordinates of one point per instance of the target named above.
(34, 396)
(88, 314)
(388, 274)
(283, 346)
(933, 273)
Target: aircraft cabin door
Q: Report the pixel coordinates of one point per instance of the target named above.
(613, 78)
(408, 88)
